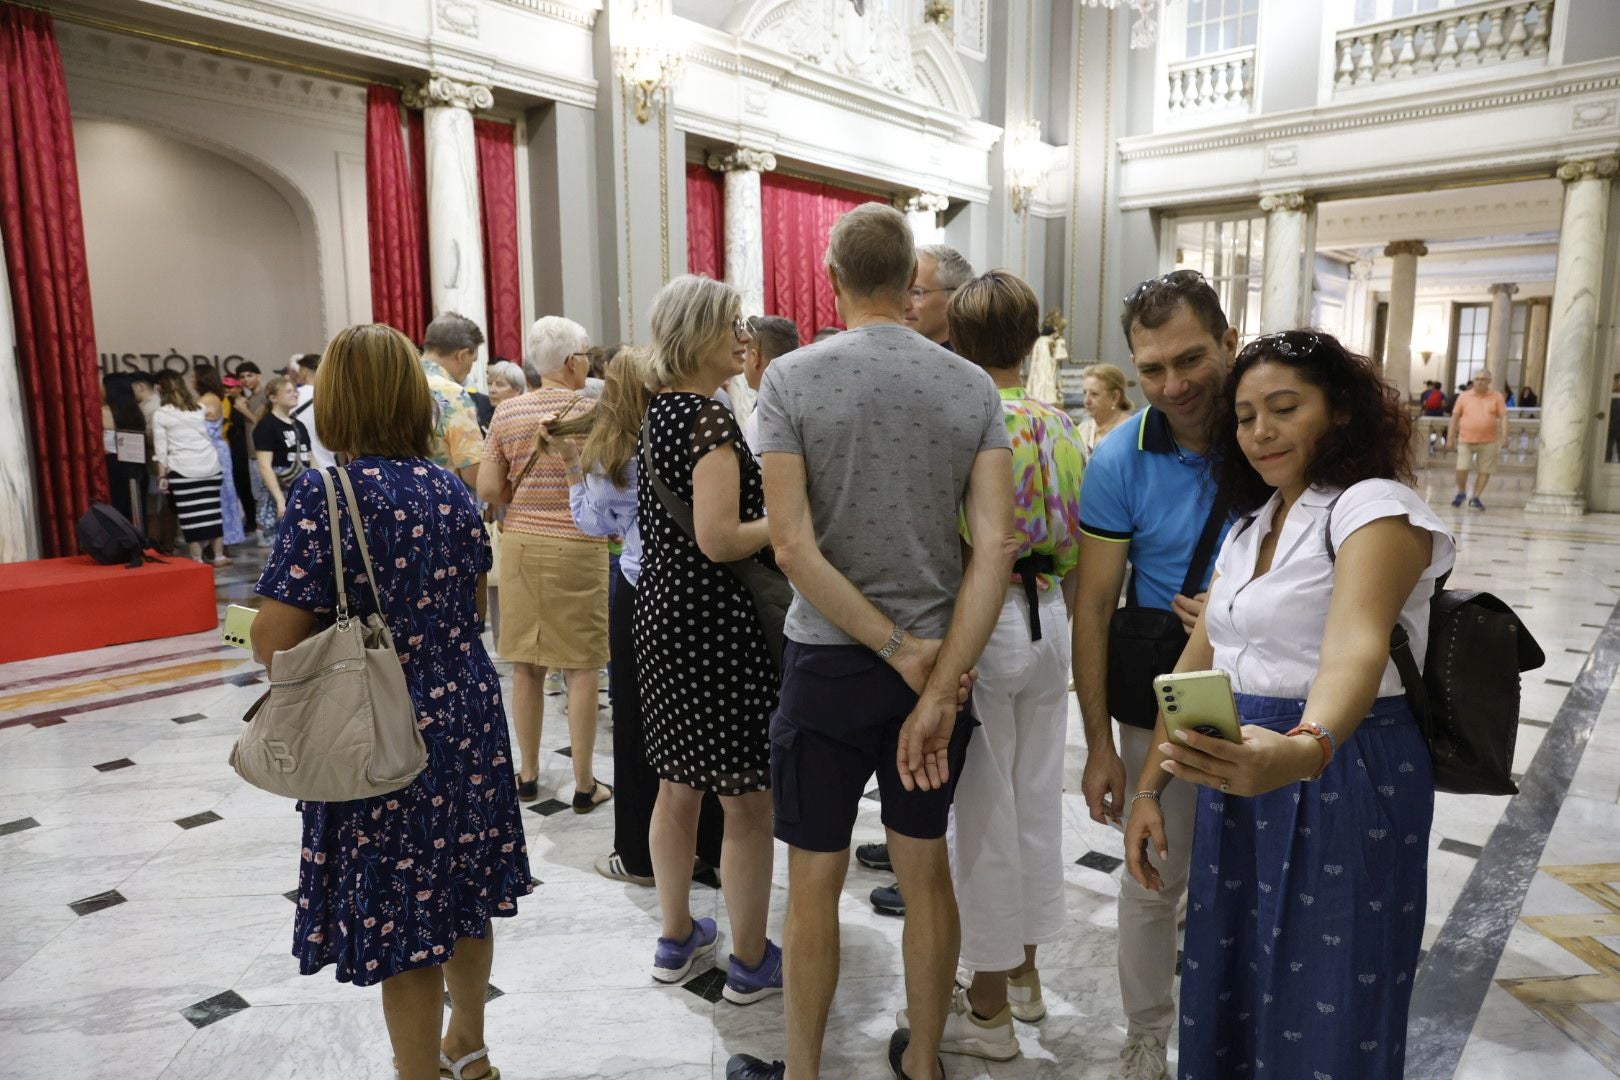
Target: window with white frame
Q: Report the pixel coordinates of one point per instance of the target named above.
(1230, 253)
(1218, 25)
(1371, 11)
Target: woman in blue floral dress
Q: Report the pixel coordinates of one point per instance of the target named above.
(394, 887)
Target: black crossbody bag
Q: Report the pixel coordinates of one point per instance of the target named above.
(1145, 642)
(1465, 698)
(767, 586)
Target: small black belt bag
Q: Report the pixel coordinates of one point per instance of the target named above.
(1145, 642)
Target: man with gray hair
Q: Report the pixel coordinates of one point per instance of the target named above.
(449, 350)
(773, 336)
(884, 623)
(941, 270)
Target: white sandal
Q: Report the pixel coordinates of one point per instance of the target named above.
(452, 1069)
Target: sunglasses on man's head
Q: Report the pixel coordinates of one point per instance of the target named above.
(1175, 280)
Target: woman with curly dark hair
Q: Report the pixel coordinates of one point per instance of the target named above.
(1310, 851)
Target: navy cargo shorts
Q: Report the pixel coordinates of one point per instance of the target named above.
(837, 721)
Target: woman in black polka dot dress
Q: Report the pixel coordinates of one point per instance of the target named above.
(708, 684)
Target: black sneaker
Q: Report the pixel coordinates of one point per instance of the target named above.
(874, 856)
(749, 1067)
(897, 1052)
(888, 901)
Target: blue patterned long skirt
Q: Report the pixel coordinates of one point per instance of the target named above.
(1305, 911)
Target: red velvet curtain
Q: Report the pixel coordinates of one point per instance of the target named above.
(50, 282)
(797, 216)
(497, 204)
(415, 133)
(705, 222)
(394, 209)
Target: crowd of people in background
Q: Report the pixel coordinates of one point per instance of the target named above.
(805, 564)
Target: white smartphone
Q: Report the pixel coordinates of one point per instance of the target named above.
(1199, 701)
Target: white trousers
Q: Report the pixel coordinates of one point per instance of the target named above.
(1006, 835)
(1147, 920)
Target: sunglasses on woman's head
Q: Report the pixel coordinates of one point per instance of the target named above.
(1295, 344)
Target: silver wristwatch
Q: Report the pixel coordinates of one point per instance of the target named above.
(897, 637)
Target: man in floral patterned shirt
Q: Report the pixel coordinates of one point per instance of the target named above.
(448, 351)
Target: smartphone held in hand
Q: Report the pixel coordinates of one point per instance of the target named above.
(1199, 701)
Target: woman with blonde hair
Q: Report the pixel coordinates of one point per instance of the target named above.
(708, 682)
(602, 491)
(188, 466)
(1105, 401)
(400, 889)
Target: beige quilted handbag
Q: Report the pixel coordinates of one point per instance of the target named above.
(338, 722)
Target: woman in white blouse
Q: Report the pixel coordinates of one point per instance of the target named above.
(188, 466)
(1306, 899)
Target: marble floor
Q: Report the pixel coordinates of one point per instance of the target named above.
(147, 919)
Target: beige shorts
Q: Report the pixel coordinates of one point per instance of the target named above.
(554, 601)
(1478, 457)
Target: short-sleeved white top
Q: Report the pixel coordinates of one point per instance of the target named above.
(1267, 631)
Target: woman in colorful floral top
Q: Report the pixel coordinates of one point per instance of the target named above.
(401, 889)
(1007, 845)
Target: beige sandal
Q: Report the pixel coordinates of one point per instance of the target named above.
(452, 1069)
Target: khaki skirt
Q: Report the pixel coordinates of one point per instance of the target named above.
(554, 601)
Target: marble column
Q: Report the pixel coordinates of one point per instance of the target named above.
(745, 239)
(455, 228)
(922, 211)
(1358, 307)
(1402, 309)
(1568, 401)
(1500, 336)
(1285, 289)
(1535, 345)
(19, 523)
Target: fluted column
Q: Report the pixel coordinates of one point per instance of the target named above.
(19, 523)
(745, 239)
(1499, 338)
(1568, 406)
(1535, 345)
(1358, 305)
(1402, 308)
(922, 210)
(1285, 289)
(455, 229)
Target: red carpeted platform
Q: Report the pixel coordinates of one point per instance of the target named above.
(56, 606)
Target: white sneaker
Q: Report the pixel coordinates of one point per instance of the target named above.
(1143, 1058)
(1023, 995)
(967, 1034)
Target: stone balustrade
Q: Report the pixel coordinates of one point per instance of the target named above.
(1218, 81)
(1429, 449)
(1469, 35)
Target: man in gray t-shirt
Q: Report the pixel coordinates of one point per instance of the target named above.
(873, 442)
(888, 425)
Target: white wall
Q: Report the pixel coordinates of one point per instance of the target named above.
(189, 251)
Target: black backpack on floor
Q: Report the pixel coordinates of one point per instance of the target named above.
(106, 536)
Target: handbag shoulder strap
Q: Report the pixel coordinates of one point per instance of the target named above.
(337, 547)
(360, 535)
(1400, 645)
(678, 508)
(1205, 550)
(535, 454)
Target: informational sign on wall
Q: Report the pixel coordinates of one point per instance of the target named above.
(173, 360)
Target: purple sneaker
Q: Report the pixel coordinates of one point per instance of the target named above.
(674, 958)
(744, 986)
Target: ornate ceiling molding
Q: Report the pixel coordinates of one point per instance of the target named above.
(867, 48)
(584, 18)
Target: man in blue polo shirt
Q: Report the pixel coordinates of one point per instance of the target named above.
(1146, 498)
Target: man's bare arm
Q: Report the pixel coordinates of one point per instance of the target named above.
(1102, 574)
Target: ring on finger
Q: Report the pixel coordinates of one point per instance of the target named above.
(1226, 788)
